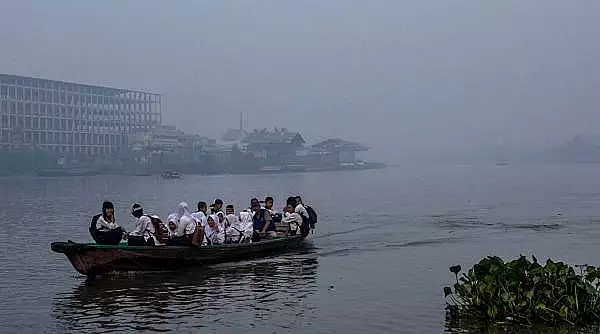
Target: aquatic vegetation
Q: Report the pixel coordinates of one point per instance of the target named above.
(524, 291)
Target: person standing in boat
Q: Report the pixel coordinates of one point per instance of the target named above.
(104, 229)
(143, 234)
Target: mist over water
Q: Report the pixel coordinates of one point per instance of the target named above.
(408, 78)
(376, 263)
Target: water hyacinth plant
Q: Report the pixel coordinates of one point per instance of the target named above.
(524, 291)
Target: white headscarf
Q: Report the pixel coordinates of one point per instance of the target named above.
(186, 223)
(216, 237)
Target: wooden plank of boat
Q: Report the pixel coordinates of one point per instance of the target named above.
(95, 259)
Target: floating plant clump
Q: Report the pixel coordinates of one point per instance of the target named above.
(525, 292)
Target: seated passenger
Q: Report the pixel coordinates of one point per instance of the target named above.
(172, 225)
(269, 204)
(292, 219)
(103, 228)
(261, 221)
(148, 229)
(246, 226)
(213, 233)
(200, 215)
(217, 206)
(233, 231)
(186, 227)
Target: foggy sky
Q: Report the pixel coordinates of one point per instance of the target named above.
(401, 76)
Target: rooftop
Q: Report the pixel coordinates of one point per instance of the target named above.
(265, 136)
(336, 144)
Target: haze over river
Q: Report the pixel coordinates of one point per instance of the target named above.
(376, 263)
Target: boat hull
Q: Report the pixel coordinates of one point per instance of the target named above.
(94, 259)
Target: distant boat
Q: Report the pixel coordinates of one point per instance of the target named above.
(502, 163)
(170, 175)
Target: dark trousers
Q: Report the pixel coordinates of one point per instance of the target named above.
(139, 241)
(180, 241)
(111, 237)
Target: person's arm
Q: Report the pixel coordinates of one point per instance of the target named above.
(102, 223)
(267, 218)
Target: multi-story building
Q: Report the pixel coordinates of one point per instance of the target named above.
(70, 118)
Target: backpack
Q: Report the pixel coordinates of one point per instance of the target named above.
(161, 231)
(312, 216)
(93, 229)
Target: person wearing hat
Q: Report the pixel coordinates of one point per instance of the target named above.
(143, 234)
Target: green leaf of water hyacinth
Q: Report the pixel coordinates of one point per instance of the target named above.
(455, 269)
(527, 292)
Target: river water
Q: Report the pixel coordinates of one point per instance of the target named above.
(377, 262)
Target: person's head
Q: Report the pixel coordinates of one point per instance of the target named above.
(221, 216)
(269, 202)
(182, 209)
(211, 220)
(108, 210)
(137, 211)
(298, 200)
(255, 207)
(218, 204)
(229, 209)
(202, 206)
(254, 202)
(289, 208)
(291, 201)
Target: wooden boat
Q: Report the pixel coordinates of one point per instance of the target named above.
(95, 259)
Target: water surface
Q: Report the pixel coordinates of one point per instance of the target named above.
(377, 262)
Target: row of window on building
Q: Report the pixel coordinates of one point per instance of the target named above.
(60, 138)
(14, 107)
(42, 123)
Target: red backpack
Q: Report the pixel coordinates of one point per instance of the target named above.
(161, 232)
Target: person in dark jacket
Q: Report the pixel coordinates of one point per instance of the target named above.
(104, 229)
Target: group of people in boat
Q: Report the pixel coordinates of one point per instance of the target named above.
(212, 224)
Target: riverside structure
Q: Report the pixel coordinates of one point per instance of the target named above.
(70, 118)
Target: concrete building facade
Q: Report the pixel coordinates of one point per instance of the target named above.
(70, 118)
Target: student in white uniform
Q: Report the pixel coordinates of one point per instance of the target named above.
(213, 233)
(293, 219)
(186, 226)
(143, 234)
(200, 215)
(246, 226)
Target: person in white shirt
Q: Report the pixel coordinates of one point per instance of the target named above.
(299, 208)
(292, 218)
(143, 234)
(172, 225)
(186, 227)
(233, 229)
(214, 233)
(200, 215)
(246, 226)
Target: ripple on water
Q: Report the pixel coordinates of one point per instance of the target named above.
(229, 295)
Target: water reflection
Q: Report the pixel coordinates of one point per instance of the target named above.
(270, 293)
(458, 325)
